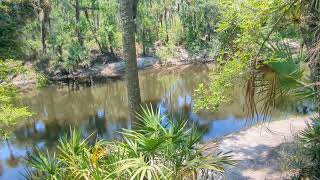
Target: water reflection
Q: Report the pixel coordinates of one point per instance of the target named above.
(103, 109)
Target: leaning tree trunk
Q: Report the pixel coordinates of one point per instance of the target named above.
(127, 12)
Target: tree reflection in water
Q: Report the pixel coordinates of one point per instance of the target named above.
(102, 109)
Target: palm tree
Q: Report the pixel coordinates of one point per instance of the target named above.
(129, 52)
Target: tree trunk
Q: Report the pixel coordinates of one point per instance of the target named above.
(110, 47)
(129, 53)
(60, 52)
(45, 21)
(93, 30)
(43, 36)
(143, 42)
(78, 29)
(97, 24)
(166, 23)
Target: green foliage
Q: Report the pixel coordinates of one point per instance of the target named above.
(159, 148)
(285, 64)
(145, 23)
(199, 19)
(310, 139)
(9, 68)
(246, 27)
(14, 15)
(209, 96)
(302, 156)
(289, 32)
(9, 114)
(77, 55)
(46, 164)
(166, 52)
(293, 158)
(42, 80)
(58, 33)
(7, 93)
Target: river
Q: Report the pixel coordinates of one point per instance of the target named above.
(103, 109)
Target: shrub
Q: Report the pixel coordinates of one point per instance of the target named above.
(310, 139)
(42, 80)
(302, 157)
(166, 52)
(9, 114)
(159, 148)
(77, 56)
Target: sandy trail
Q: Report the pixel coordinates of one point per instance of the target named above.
(254, 149)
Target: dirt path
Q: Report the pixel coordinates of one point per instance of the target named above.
(254, 149)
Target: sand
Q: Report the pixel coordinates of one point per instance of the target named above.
(254, 149)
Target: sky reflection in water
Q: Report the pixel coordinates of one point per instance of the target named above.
(103, 109)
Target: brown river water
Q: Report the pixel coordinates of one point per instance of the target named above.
(103, 109)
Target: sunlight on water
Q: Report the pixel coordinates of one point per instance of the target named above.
(103, 109)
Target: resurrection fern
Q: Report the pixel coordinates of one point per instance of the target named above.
(160, 148)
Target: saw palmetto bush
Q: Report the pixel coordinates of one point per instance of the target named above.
(310, 139)
(158, 148)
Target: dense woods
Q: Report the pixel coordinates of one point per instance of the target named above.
(69, 33)
(274, 45)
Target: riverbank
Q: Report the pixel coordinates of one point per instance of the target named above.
(255, 149)
(101, 72)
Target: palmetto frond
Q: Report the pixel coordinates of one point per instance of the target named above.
(160, 148)
(279, 76)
